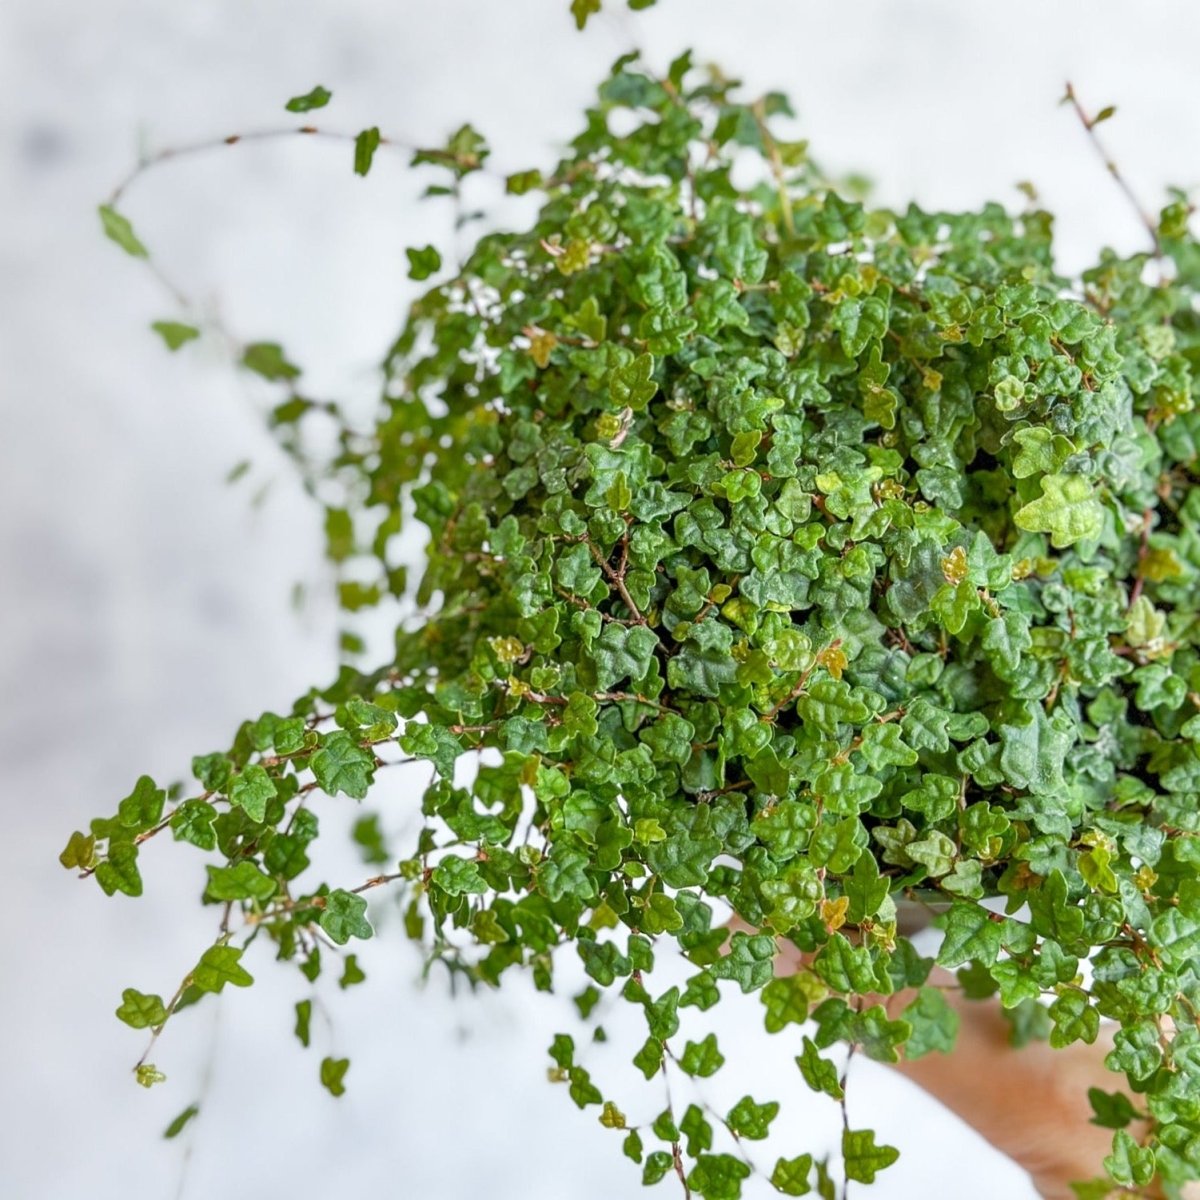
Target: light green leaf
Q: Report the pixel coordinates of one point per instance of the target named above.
(218, 966)
(141, 1011)
(863, 1158)
(175, 334)
(365, 145)
(317, 98)
(118, 229)
(344, 917)
(1067, 510)
(333, 1075)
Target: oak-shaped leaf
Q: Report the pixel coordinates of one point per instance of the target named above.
(344, 917)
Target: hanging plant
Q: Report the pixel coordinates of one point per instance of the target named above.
(786, 556)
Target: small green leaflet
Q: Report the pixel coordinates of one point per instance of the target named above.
(218, 966)
(819, 1073)
(333, 1074)
(863, 1158)
(177, 1126)
(971, 935)
(342, 765)
(423, 262)
(147, 1075)
(1067, 510)
(175, 334)
(581, 10)
(702, 1059)
(304, 1021)
(934, 1024)
(251, 791)
(119, 871)
(751, 1120)
(79, 852)
(141, 1011)
(790, 1177)
(118, 229)
(750, 961)
(317, 98)
(365, 146)
(344, 917)
(268, 360)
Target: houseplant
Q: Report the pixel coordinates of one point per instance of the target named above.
(785, 556)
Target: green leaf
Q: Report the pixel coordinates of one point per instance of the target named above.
(143, 807)
(632, 385)
(251, 791)
(971, 936)
(1074, 1019)
(218, 966)
(175, 334)
(858, 322)
(1176, 934)
(623, 653)
(118, 871)
(268, 360)
(342, 765)
(141, 1011)
(863, 1158)
(846, 968)
(118, 229)
(193, 821)
(79, 852)
(178, 1125)
(1033, 752)
(581, 10)
(658, 1162)
(1136, 1051)
(365, 145)
(790, 1176)
(333, 1075)
(1067, 510)
(423, 262)
(243, 881)
(344, 917)
(458, 877)
(882, 746)
(317, 98)
(750, 961)
(702, 1059)
(1114, 1110)
(819, 1073)
(304, 1021)
(435, 743)
(934, 1024)
(718, 1177)
(751, 1120)
(787, 999)
(1129, 1164)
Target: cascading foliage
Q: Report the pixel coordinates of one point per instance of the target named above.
(785, 555)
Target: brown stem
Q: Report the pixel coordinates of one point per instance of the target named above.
(617, 579)
(1089, 125)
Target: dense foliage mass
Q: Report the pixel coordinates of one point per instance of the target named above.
(786, 555)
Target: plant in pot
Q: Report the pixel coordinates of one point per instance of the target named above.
(786, 557)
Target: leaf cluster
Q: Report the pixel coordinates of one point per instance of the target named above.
(786, 555)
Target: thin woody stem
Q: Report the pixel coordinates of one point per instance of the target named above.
(617, 579)
(170, 153)
(1089, 124)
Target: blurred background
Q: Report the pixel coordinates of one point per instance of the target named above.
(145, 604)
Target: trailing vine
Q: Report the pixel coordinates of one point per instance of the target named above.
(787, 557)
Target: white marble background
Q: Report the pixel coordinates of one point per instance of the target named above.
(144, 604)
